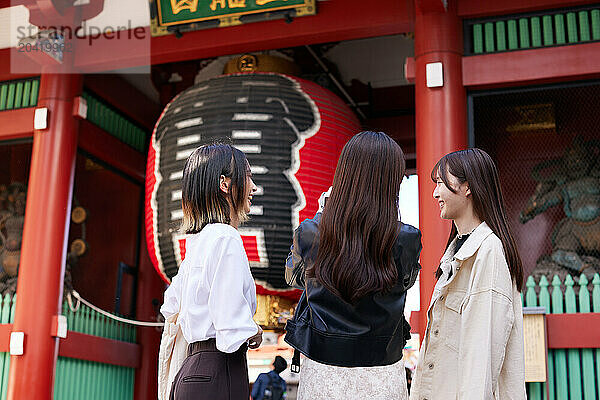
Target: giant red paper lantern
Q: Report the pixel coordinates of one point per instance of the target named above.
(292, 132)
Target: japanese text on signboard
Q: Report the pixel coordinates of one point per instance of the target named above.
(172, 12)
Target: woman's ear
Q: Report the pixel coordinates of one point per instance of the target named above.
(224, 183)
(467, 191)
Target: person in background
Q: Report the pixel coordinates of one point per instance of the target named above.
(355, 261)
(473, 343)
(214, 291)
(270, 385)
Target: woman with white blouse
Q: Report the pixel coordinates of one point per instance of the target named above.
(214, 291)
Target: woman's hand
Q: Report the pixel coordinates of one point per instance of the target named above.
(256, 340)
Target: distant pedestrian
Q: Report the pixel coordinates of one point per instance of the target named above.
(270, 385)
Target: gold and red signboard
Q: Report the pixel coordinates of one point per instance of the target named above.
(178, 16)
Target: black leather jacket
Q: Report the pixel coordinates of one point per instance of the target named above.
(331, 331)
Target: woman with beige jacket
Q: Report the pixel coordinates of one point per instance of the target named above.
(473, 344)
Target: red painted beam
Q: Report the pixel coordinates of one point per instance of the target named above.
(335, 21)
(111, 150)
(86, 347)
(16, 123)
(527, 67)
(478, 8)
(573, 331)
(102, 350)
(564, 331)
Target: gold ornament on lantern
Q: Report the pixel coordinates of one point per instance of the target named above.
(261, 63)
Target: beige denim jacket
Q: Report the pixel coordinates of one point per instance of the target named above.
(473, 345)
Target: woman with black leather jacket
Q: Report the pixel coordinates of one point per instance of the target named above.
(355, 261)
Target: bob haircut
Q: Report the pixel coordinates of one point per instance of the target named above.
(359, 225)
(476, 167)
(202, 200)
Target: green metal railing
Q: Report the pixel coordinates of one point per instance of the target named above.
(24, 93)
(19, 93)
(526, 31)
(7, 312)
(78, 379)
(572, 373)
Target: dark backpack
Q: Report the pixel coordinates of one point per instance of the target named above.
(274, 390)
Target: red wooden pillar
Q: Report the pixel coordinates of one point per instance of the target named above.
(440, 125)
(45, 234)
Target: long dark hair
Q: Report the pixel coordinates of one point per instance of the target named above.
(202, 200)
(476, 167)
(359, 225)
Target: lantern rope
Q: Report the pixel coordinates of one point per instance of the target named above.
(106, 313)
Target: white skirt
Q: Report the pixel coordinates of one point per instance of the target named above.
(327, 382)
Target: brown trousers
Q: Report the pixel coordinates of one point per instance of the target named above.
(208, 373)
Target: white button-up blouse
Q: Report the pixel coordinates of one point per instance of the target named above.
(473, 345)
(214, 291)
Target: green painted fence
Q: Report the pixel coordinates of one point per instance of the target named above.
(526, 31)
(19, 93)
(78, 379)
(573, 374)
